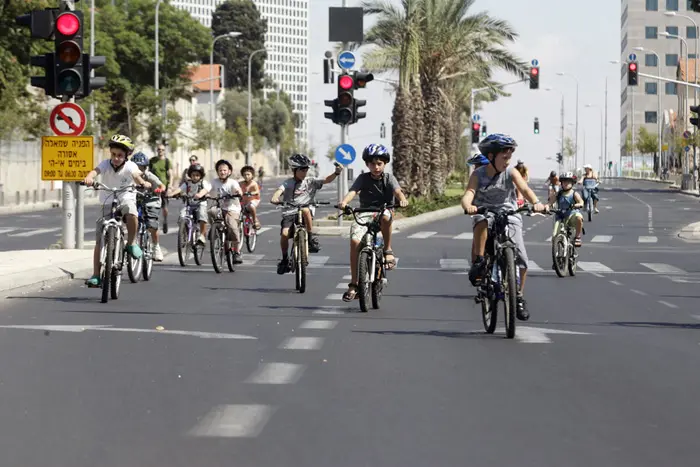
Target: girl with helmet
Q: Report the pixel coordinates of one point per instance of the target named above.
(590, 185)
(224, 185)
(117, 172)
(376, 188)
(569, 201)
(251, 201)
(302, 190)
(153, 203)
(495, 185)
(197, 187)
(553, 184)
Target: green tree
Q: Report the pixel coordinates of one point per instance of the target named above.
(569, 147)
(240, 16)
(647, 143)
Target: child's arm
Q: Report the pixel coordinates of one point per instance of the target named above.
(256, 190)
(522, 186)
(139, 179)
(403, 202)
(469, 193)
(276, 195)
(334, 175)
(578, 201)
(348, 197)
(206, 188)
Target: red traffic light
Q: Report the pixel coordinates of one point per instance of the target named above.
(68, 24)
(476, 126)
(535, 71)
(633, 67)
(345, 82)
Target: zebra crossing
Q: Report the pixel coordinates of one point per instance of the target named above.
(593, 267)
(642, 239)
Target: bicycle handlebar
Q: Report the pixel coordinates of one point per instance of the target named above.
(288, 204)
(101, 186)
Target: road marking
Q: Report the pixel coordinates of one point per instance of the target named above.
(548, 239)
(528, 335)
(234, 421)
(328, 312)
(347, 278)
(422, 235)
(250, 260)
(276, 373)
(465, 236)
(638, 292)
(597, 275)
(532, 266)
(318, 324)
(85, 231)
(264, 229)
(2, 231)
(650, 218)
(601, 239)
(593, 267)
(647, 239)
(616, 283)
(302, 343)
(670, 305)
(31, 233)
(454, 264)
(334, 296)
(662, 268)
(107, 327)
(317, 261)
(341, 285)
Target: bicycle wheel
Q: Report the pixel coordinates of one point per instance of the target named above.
(118, 264)
(147, 245)
(183, 242)
(573, 258)
(229, 253)
(589, 208)
(364, 264)
(197, 248)
(510, 290)
(217, 249)
(135, 266)
(378, 283)
(107, 264)
(560, 255)
(489, 305)
(302, 258)
(251, 238)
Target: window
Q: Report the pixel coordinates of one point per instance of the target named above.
(691, 32)
(652, 32)
(650, 88)
(671, 59)
(652, 5)
(672, 5)
(650, 117)
(671, 89)
(623, 124)
(650, 60)
(672, 30)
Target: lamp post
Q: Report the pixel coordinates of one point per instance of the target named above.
(658, 94)
(697, 45)
(156, 78)
(212, 107)
(577, 87)
(249, 153)
(605, 150)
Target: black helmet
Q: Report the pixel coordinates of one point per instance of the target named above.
(195, 168)
(299, 161)
(223, 161)
(376, 151)
(552, 174)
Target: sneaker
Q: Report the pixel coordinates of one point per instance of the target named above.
(94, 281)
(521, 312)
(202, 239)
(283, 266)
(475, 271)
(157, 254)
(314, 245)
(237, 258)
(134, 250)
(596, 211)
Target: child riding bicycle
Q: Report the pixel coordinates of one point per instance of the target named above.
(153, 202)
(226, 186)
(197, 188)
(252, 200)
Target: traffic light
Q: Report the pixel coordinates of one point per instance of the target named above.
(357, 103)
(695, 5)
(346, 104)
(476, 127)
(333, 114)
(41, 25)
(610, 163)
(632, 70)
(69, 53)
(361, 79)
(560, 158)
(483, 129)
(534, 77)
(696, 110)
(537, 126)
(96, 82)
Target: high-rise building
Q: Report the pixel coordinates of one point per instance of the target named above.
(287, 43)
(643, 23)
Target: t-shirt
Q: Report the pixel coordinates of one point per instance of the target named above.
(374, 193)
(302, 192)
(152, 199)
(191, 188)
(118, 179)
(227, 187)
(252, 186)
(160, 168)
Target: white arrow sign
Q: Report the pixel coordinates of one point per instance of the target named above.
(529, 335)
(346, 154)
(108, 327)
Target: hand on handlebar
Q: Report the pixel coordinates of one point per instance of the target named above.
(539, 207)
(471, 209)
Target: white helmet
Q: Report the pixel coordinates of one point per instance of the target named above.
(588, 166)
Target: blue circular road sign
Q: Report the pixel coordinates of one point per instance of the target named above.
(345, 154)
(633, 57)
(476, 117)
(686, 134)
(535, 62)
(346, 60)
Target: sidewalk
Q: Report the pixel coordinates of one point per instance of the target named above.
(39, 268)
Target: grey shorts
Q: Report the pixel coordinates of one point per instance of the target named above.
(515, 233)
(202, 214)
(128, 207)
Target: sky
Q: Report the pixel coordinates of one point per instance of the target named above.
(579, 38)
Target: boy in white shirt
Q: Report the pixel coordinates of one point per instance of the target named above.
(227, 186)
(117, 172)
(197, 187)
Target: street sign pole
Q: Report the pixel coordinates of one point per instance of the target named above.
(342, 179)
(68, 215)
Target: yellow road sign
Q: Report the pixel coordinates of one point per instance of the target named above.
(664, 147)
(67, 158)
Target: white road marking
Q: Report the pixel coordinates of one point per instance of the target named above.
(302, 343)
(662, 268)
(453, 264)
(234, 421)
(593, 267)
(548, 239)
(530, 335)
(347, 278)
(31, 233)
(647, 239)
(670, 305)
(650, 217)
(334, 296)
(264, 229)
(597, 275)
(616, 283)
(601, 239)
(107, 327)
(317, 261)
(422, 235)
(532, 266)
(638, 292)
(318, 324)
(276, 373)
(341, 285)
(250, 259)
(12, 229)
(328, 312)
(465, 236)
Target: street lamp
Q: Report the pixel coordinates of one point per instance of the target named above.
(576, 138)
(249, 153)
(592, 106)
(658, 93)
(605, 150)
(212, 112)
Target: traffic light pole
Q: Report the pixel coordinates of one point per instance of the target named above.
(342, 180)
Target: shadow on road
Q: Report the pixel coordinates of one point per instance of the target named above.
(656, 324)
(435, 333)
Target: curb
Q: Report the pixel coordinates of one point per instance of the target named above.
(43, 206)
(690, 232)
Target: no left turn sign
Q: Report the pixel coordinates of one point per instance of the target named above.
(67, 119)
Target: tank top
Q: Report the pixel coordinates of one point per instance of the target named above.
(495, 192)
(564, 202)
(245, 186)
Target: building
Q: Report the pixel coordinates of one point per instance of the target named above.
(287, 42)
(643, 23)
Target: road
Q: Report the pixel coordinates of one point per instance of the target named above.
(604, 373)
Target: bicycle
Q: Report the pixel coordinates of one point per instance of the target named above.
(300, 243)
(564, 253)
(135, 268)
(248, 229)
(371, 270)
(113, 244)
(587, 192)
(188, 232)
(501, 280)
(218, 237)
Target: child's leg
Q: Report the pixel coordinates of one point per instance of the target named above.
(284, 242)
(480, 236)
(308, 219)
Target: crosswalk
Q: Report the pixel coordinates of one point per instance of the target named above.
(24, 232)
(641, 239)
(462, 265)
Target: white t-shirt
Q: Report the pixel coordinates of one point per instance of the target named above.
(191, 188)
(118, 179)
(229, 187)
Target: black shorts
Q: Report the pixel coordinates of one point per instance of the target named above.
(288, 223)
(151, 214)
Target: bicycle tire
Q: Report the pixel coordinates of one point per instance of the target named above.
(107, 266)
(489, 305)
(229, 253)
(134, 267)
(115, 286)
(182, 243)
(215, 247)
(364, 262)
(560, 264)
(510, 297)
(251, 240)
(589, 208)
(572, 259)
(378, 283)
(147, 272)
(302, 260)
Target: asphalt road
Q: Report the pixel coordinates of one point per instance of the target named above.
(604, 373)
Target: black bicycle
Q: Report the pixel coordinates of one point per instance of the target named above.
(564, 253)
(371, 270)
(142, 267)
(501, 277)
(218, 236)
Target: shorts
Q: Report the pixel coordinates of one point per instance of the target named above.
(126, 208)
(253, 202)
(231, 218)
(201, 212)
(152, 214)
(569, 220)
(358, 231)
(515, 233)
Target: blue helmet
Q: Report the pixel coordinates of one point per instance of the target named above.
(496, 142)
(378, 151)
(139, 159)
(478, 160)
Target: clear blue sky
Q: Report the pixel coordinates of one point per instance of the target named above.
(574, 37)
